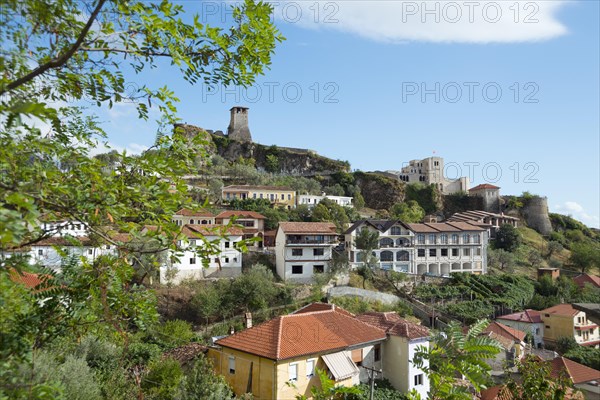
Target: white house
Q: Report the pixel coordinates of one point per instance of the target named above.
(252, 223)
(47, 252)
(403, 340)
(226, 261)
(395, 250)
(528, 321)
(189, 217)
(312, 200)
(303, 249)
(430, 248)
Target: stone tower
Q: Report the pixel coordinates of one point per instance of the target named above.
(490, 195)
(238, 125)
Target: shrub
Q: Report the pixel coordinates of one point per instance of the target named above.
(163, 379)
(173, 334)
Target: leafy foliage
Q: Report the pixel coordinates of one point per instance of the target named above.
(536, 383)
(507, 238)
(408, 212)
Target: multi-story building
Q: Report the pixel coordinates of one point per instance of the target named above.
(311, 200)
(563, 320)
(189, 217)
(277, 195)
(223, 258)
(395, 249)
(51, 252)
(303, 249)
(491, 221)
(528, 321)
(429, 248)
(431, 171)
(252, 223)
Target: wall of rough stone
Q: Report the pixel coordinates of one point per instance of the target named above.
(536, 215)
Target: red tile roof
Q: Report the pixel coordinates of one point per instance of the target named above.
(394, 325)
(239, 214)
(29, 279)
(303, 333)
(505, 331)
(561, 309)
(484, 186)
(435, 227)
(528, 316)
(189, 213)
(308, 227)
(193, 231)
(582, 279)
(503, 393)
(578, 373)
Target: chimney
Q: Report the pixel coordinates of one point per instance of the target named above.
(238, 125)
(248, 320)
(231, 330)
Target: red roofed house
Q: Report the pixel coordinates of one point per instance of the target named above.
(584, 279)
(277, 359)
(584, 378)
(303, 249)
(36, 282)
(253, 223)
(528, 321)
(189, 217)
(224, 258)
(398, 350)
(512, 341)
(563, 320)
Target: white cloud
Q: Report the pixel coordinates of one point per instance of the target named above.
(577, 211)
(399, 21)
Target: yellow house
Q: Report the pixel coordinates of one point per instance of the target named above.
(563, 320)
(277, 359)
(277, 195)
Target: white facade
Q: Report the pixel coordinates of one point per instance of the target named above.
(535, 329)
(65, 228)
(396, 247)
(302, 254)
(433, 248)
(187, 217)
(312, 200)
(189, 264)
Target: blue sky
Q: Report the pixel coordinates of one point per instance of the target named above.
(384, 82)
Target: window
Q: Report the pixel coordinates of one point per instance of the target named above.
(40, 252)
(226, 259)
(226, 245)
(476, 239)
(432, 252)
(231, 365)
(90, 251)
(318, 269)
(289, 196)
(444, 252)
(466, 238)
(477, 251)
(454, 252)
(297, 269)
(193, 260)
(432, 239)
(418, 380)
(421, 253)
(282, 196)
(228, 196)
(318, 252)
(217, 260)
(254, 195)
(444, 239)
(296, 252)
(272, 197)
(310, 367)
(466, 252)
(537, 331)
(547, 327)
(261, 195)
(421, 239)
(293, 372)
(396, 230)
(377, 352)
(455, 238)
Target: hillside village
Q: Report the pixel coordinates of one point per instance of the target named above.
(369, 281)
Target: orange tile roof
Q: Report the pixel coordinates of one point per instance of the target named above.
(484, 186)
(578, 373)
(308, 227)
(394, 325)
(561, 309)
(528, 316)
(582, 279)
(29, 279)
(192, 231)
(304, 333)
(189, 213)
(322, 307)
(435, 227)
(503, 393)
(505, 331)
(240, 213)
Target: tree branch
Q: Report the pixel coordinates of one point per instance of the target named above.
(59, 61)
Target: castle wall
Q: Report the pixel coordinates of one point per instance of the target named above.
(537, 216)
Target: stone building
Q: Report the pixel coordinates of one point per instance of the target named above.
(238, 125)
(431, 171)
(490, 195)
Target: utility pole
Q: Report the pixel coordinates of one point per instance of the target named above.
(371, 375)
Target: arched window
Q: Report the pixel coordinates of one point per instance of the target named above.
(386, 256)
(444, 239)
(455, 238)
(466, 238)
(386, 242)
(402, 255)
